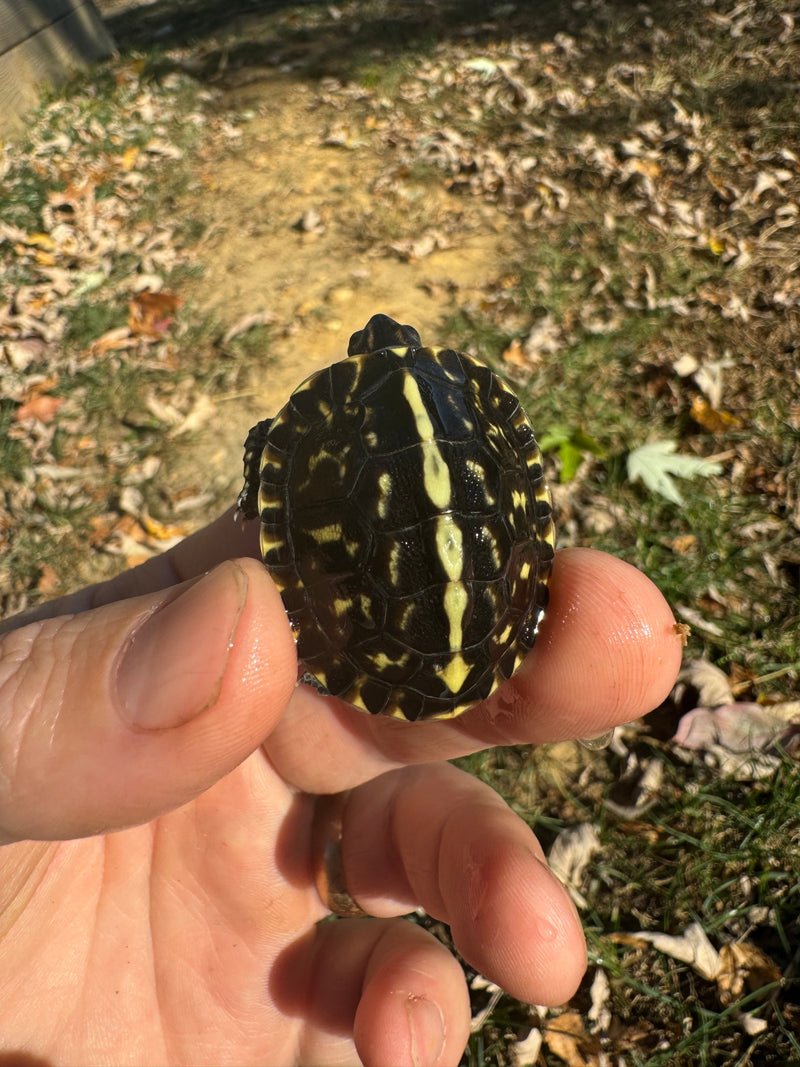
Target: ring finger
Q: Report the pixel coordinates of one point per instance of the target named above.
(434, 837)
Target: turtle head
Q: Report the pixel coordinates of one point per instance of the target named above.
(382, 332)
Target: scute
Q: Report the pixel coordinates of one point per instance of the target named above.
(407, 524)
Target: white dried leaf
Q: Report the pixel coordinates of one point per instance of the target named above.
(131, 501)
(526, 1053)
(201, 412)
(695, 619)
(692, 947)
(599, 1014)
(165, 413)
(122, 544)
(138, 473)
(248, 322)
(712, 684)
(481, 65)
(158, 147)
(752, 1024)
(545, 338)
(709, 379)
(737, 728)
(153, 283)
(570, 855)
(686, 365)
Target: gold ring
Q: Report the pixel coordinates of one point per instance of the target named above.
(326, 844)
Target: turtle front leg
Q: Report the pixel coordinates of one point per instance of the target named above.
(247, 502)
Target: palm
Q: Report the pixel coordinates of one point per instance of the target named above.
(175, 929)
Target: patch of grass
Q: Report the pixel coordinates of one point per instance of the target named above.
(90, 319)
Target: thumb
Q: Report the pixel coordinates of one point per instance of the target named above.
(112, 716)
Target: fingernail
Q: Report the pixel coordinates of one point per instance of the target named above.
(174, 662)
(426, 1027)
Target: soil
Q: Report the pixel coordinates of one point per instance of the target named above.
(294, 227)
(323, 283)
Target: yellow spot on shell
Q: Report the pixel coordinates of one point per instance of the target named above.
(325, 534)
(385, 488)
(381, 661)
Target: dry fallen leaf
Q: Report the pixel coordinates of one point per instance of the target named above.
(151, 314)
(43, 408)
(515, 355)
(744, 968)
(48, 581)
(566, 1037)
(712, 685)
(114, 340)
(248, 322)
(599, 1014)
(683, 543)
(202, 411)
(570, 855)
(692, 947)
(526, 1052)
(711, 419)
(160, 531)
(737, 727)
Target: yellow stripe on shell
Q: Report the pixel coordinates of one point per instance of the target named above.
(449, 539)
(435, 472)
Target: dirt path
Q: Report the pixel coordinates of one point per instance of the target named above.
(322, 282)
(296, 230)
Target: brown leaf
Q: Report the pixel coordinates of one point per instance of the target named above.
(566, 1037)
(49, 581)
(151, 314)
(43, 407)
(745, 969)
(515, 355)
(102, 527)
(683, 544)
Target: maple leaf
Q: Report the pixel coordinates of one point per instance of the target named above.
(658, 463)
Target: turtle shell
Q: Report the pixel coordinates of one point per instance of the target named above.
(407, 524)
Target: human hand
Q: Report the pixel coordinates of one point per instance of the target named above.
(157, 888)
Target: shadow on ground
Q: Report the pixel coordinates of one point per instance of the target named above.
(326, 40)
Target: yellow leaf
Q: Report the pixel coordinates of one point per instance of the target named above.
(129, 157)
(162, 531)
(41, 240)
(711, 419)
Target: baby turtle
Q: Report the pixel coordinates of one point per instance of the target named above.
(406, 522)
